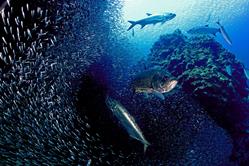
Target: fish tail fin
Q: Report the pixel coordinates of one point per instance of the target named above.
(133, 23)
(146, 145)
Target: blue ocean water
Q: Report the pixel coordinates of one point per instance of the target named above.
(232, 14)
(140, 45)
(78, 88)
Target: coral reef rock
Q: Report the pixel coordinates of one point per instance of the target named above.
(210, 73)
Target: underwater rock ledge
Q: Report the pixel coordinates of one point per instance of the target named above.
(212, 75)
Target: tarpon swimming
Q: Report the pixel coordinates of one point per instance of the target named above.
(152, 19)
(153, 81)
(126, 120)
(206, 30)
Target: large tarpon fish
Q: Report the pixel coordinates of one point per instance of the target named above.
(126, 120)
(152, 19)
(206, 30)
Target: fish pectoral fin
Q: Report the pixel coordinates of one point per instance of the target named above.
(142, 26)
(163, 22)
(148, 14)
(158, 94)
(133, 32)
(146, 145)
(146, 95)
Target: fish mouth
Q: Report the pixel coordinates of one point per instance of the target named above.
(173, 15)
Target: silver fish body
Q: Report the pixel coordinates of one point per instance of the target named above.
(152, 19)
(204, 30)
(126, 120)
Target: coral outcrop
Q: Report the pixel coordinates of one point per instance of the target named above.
(210, 73)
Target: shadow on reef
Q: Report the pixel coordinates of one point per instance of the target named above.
(176, 128)
(91, 104)
(213, 76)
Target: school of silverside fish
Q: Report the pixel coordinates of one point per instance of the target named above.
(39, 122)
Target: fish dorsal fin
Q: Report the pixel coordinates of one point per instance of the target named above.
(142, 26)
(148, 14)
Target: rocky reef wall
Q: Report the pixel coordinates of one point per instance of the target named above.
(211, 74)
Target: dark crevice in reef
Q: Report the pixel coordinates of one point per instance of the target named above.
(214, 78)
